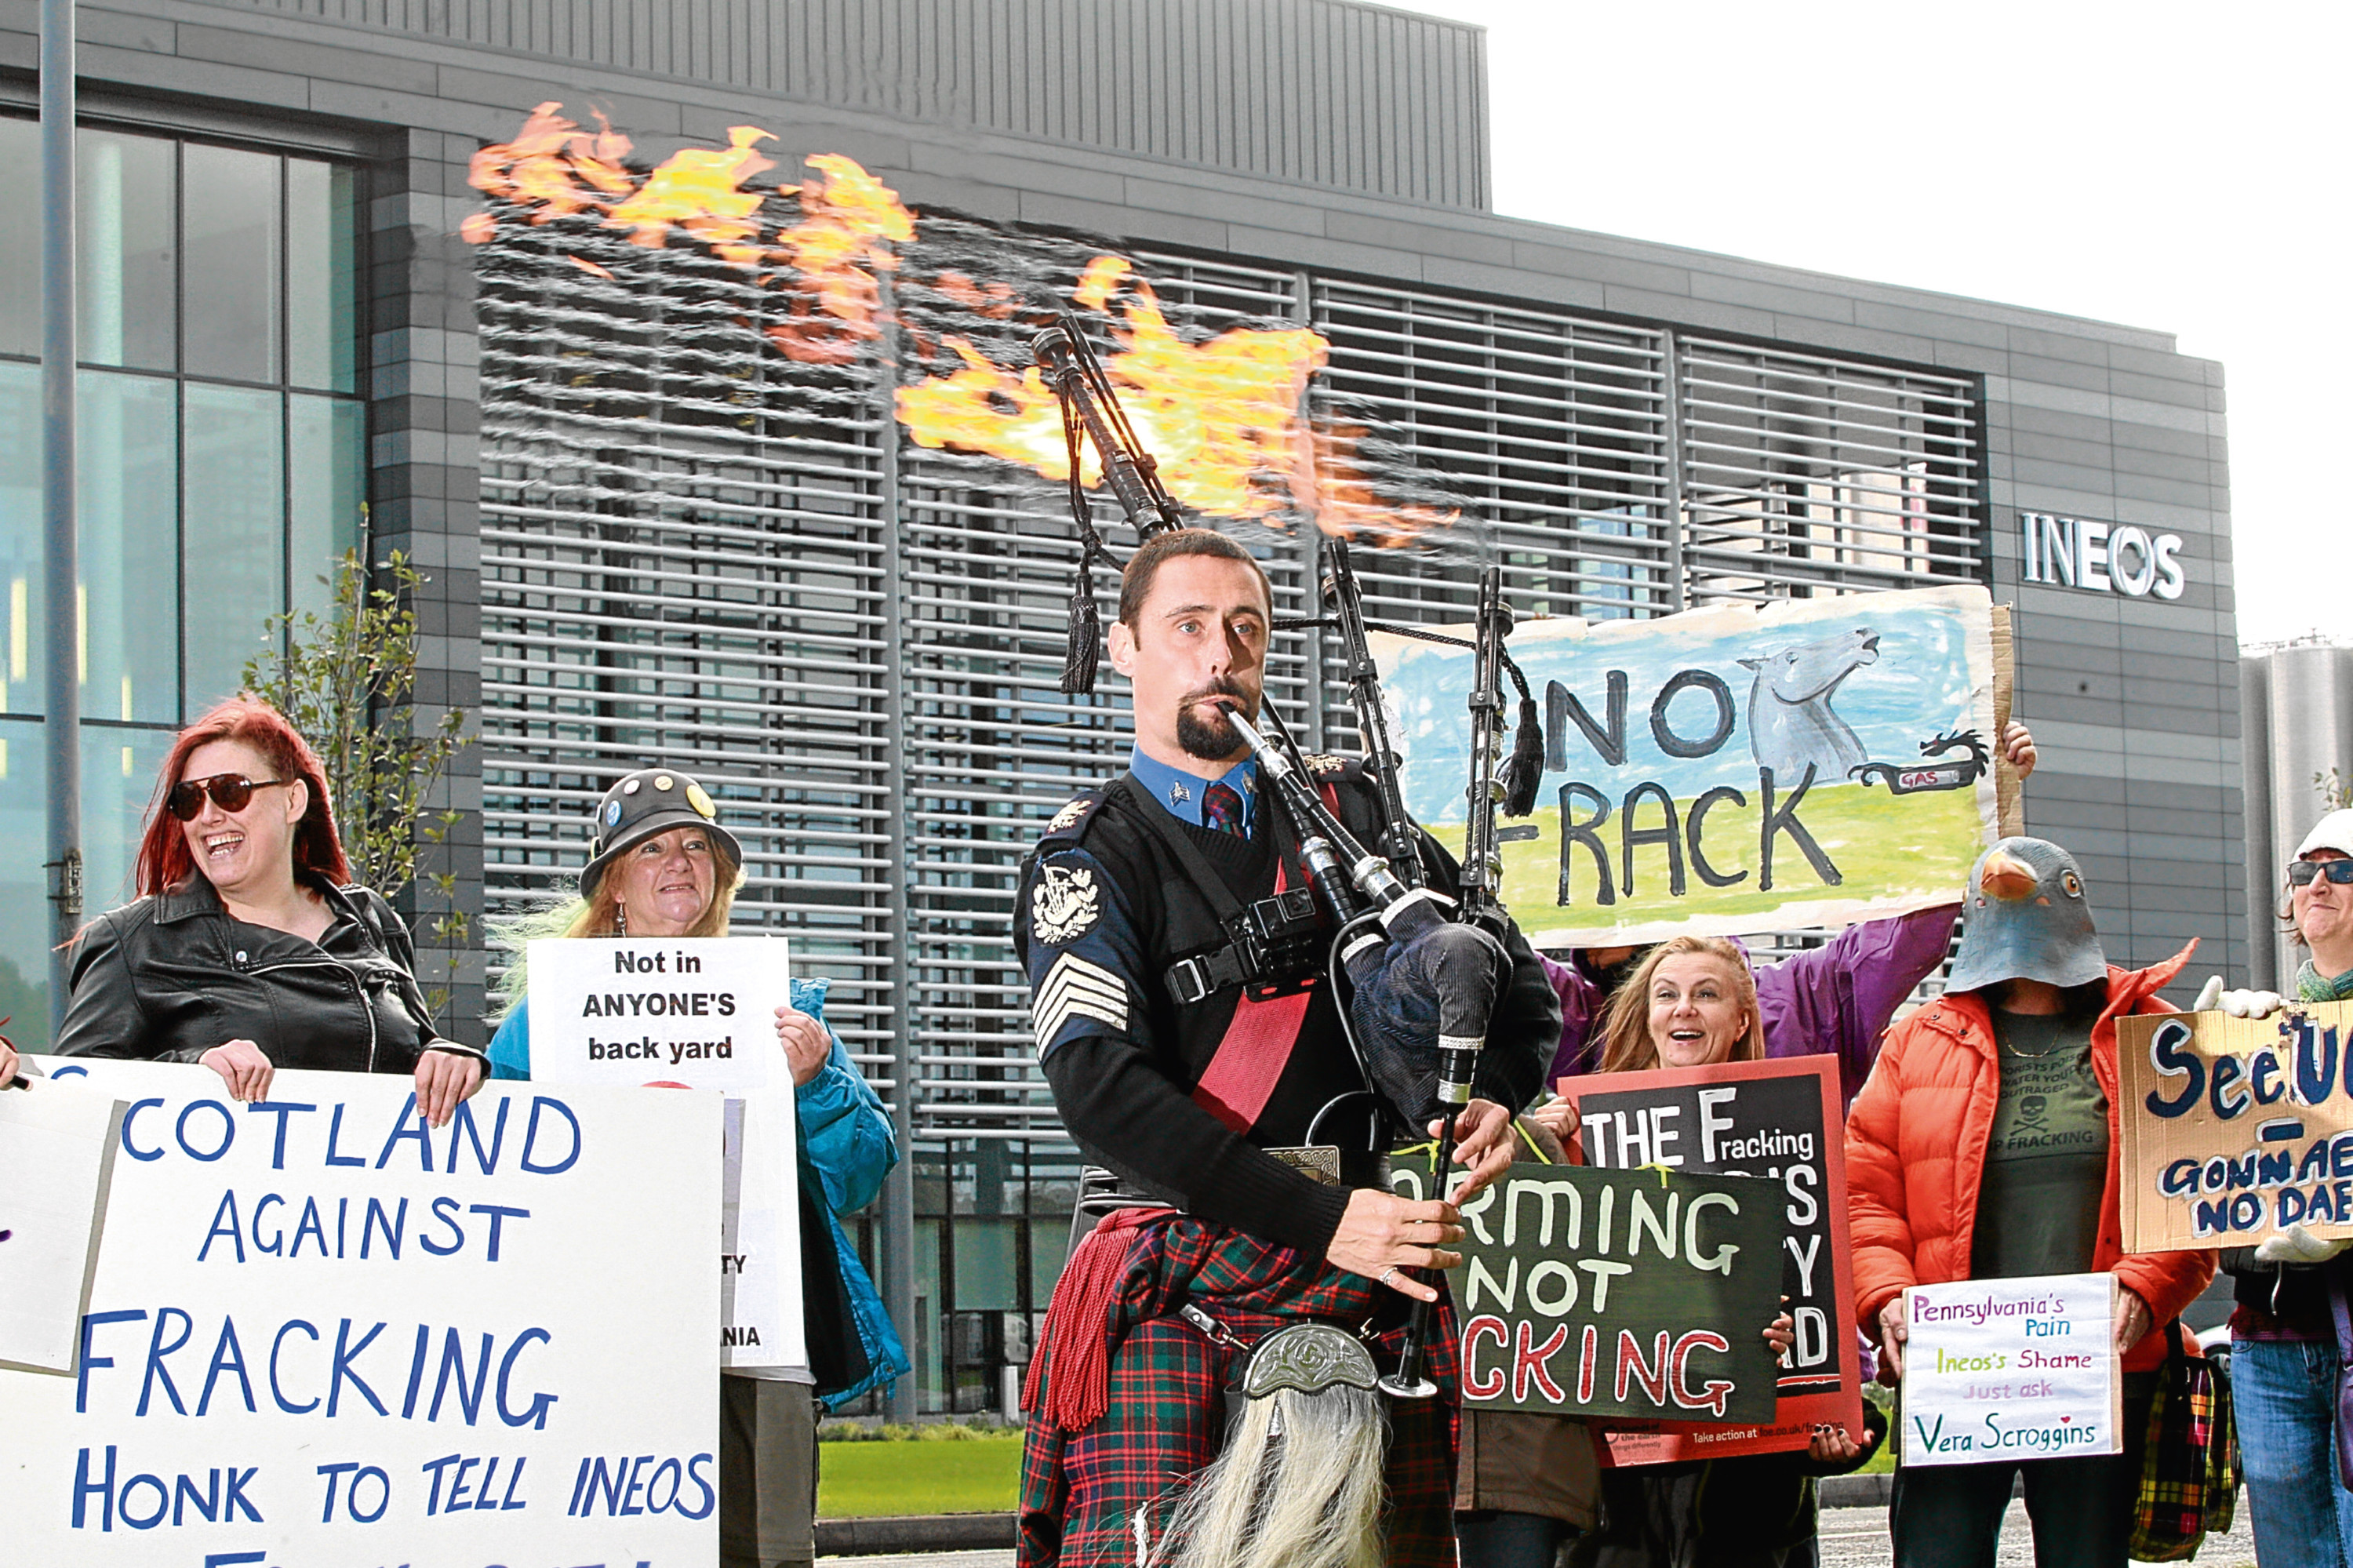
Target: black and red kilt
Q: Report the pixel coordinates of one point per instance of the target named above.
(1084, 1493)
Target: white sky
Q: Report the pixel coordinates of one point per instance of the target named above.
(2171, 167)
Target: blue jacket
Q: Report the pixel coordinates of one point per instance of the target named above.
(847, 1149)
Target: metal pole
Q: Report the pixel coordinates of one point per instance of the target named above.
(898, 1248)
(61, 574)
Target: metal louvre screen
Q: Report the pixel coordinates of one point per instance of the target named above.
(696, 553)
(683, 565)
(1804, 475)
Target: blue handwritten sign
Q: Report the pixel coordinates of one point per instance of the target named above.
(1729, 769)
(324, 1332)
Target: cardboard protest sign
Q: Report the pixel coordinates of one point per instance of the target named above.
(2236, 1128)
(1811, 763)
(323, 1334)
(1643, 1293)
(696, 1012)
(1779, 1121)
(2011, 1369)
(56, 1159)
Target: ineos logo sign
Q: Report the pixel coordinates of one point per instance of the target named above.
(2101, 557)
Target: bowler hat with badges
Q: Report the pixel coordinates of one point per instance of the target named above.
(650, 801)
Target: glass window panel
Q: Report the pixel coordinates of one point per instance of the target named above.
(125, 263)
(233, 536)
(20, 539)
(320, 345)
(127, 478)
(984, 1254)
(20, 237)
(119, 771)
(23, 900)
(231, 281)
(324, 469)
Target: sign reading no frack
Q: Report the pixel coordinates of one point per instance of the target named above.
(2236, 1128)
(1641, 1293)
(696, 1012)
(2011, 1369)
(321, 1332)
(1775, 1119)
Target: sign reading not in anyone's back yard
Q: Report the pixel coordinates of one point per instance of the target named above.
(1643, 1293)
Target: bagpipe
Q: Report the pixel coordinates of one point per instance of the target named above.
(1418, 974)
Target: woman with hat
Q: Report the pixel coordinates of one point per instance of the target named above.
(1985, 1146)
(251, 949)
(661, 865)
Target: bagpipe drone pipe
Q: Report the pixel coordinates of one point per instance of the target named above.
(1416, 975)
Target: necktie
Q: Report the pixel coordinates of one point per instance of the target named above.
(1221, 810)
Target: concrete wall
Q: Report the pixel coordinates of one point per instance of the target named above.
(2136, 701)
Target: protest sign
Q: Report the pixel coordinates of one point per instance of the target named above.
(323, 1334)
(1641, 1293)
(2011, 1369)
(57, 1158)
(696, 1012)
(1776, 1120)
(2234, 1128)
(1811, 763)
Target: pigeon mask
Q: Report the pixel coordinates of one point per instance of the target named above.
(2025, 915)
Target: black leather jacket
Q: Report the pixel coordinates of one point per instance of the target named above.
(170, 977)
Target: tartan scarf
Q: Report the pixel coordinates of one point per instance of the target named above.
(1162, 1410)
(2311, 985)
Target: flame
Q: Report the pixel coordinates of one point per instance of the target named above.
(1221, 417)
(1328, 483)
(1225, 418)
(544, 168)
(702, 191)
(849, 220)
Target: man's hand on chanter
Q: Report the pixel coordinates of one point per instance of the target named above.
(1382, 1235)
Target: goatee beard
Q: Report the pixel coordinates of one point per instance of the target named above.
(1210, 739)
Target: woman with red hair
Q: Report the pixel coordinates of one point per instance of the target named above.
(249, 950)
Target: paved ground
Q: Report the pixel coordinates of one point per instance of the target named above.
(1851, 1538)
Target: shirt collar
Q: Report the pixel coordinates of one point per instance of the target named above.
(1180, 793)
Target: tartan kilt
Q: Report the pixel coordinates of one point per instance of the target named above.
(1083, 1494)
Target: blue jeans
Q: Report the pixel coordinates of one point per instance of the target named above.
(2286, 1395)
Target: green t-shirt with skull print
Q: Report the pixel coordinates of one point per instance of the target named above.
(2047, 1159)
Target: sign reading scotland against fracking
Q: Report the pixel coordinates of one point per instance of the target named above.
(2011, 1369)
(1641, 1293)
(696, 1012)
(1813, 763)
(1776, 1120)
(323, 1334)
(2236, 1128)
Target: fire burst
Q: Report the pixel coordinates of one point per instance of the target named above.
(1228, 417)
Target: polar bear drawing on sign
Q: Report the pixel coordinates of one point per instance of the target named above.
(1791, 725)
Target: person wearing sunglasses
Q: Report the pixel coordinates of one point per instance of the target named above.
(661, 864)
(249, 949)
(2284, 1355)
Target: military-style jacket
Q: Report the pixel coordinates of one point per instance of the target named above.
(1106, 906)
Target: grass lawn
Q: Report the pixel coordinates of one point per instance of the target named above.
(862, 1480)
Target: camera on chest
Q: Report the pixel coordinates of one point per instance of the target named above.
(1271, 944)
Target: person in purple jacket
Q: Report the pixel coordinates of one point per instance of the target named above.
(1835, 1000)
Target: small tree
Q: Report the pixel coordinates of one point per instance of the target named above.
(2335, 793)
(347, 682)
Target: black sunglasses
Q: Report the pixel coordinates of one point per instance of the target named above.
(2303, 873)
(230, 791)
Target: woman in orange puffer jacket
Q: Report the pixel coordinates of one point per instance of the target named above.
(1985, 1146)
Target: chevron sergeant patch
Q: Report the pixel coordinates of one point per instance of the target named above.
(1074, 987)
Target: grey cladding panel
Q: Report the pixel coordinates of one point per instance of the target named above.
(1319, 92)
